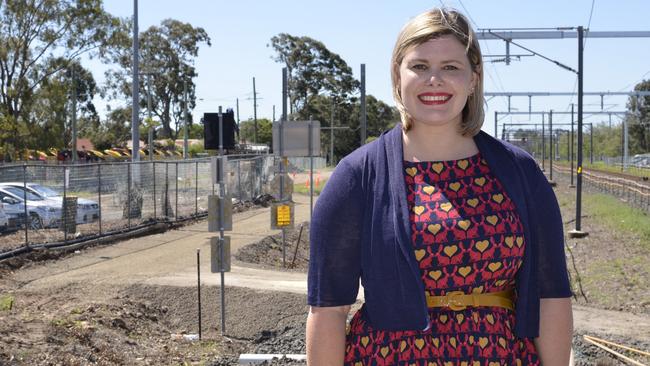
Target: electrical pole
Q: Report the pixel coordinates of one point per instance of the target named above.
(254, 112)
(74, 115)
(186, 121)
(363, 104)
(150, 132)
(135, 91)
(332, 135)
(577, 233)
(571, 147)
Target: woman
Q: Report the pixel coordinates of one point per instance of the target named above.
(456, 236)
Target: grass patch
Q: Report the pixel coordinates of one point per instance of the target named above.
(304, 189)
(618, 216)
(599, 165)
(6, 302)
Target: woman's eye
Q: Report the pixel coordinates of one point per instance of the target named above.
(419, 67)
(450, 67)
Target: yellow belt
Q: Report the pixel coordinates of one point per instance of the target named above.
(458, 300)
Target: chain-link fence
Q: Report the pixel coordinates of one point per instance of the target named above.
(113, 197)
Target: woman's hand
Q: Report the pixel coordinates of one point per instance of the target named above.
(326, 335)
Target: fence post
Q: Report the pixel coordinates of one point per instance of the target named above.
(176, 189)
(153, 168)
(99, 195)
(27, 218)
(196, 188)
(63, 213)
(239, 179)
(128, 195)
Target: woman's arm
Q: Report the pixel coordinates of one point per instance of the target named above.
(555, 331)
(326, 335)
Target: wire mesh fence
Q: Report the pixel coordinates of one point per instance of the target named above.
(113, 197)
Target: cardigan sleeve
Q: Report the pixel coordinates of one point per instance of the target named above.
(335, 240)
(553, 279)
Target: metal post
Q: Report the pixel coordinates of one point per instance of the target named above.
(196, 188)
(135, 91)
(363, 104)
(591, 143)
(496, 116)
(239, 190)
(254, 112)
(176, 194)
(153, 181)
(281, 154)
(311, 170)
(578, 232)
(99, 195)
(27, 218)
(74, 115)
(571, 147)
(550, 141)
(331, 135)
(198, 285)
(186, 122)
(150, 134)
(63, 204)
(128, 194)
(222, 193)
(166, 195)
(543, 145)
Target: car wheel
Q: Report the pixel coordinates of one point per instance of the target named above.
(35, 222)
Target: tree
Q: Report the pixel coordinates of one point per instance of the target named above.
(264, 131)
(312, 69)
(115, 131)
(33, 33)
(638, 120)
(167, 61)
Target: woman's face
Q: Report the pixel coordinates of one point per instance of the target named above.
(436, 79)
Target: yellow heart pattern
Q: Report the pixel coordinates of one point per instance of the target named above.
(418, 210)
(479, 181)
(483, 342)
(520, 241)
(494, 266)
(435, 274)
(450, 250)
(402, 346)
(384, 351)
(453, 342)
(492, 219)
(463, 164)
(437, 167)
(419, 343)
(464, 224)
(412, 171)
(464, 271)
(446, 206)
(364, 341)
(419, 254)
(459, 318)
(455, 186)
(510, 241)
(434, 228)
(472, 202)
(482, 245)
(498, 198)
(429, 189)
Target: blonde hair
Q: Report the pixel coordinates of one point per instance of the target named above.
(433, 24)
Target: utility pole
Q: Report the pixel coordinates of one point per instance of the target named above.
(254, 112)
(363, 104)
(74, 115)
(331, 135)
(274, 113)
(186, 121)
(571, 147)
(577, 232)
(150, 132)
(135, 91)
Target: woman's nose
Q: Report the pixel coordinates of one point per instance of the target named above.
(434, 78)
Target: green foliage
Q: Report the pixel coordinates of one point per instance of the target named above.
(303, 188)
(195, 149)
(312, 69)
(38, 39)
(639, 120)
(618, 216)
(167, 57)
(115, 131)
(264, 131)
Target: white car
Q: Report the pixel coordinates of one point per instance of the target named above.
(87, 210)
(42, 212)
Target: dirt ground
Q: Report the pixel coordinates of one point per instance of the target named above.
(98, 308)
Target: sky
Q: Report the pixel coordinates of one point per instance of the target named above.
(364, 32)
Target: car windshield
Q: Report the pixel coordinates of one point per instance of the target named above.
(45, 191)
(20, 192)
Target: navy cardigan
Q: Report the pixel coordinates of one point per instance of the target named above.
(360, 229)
